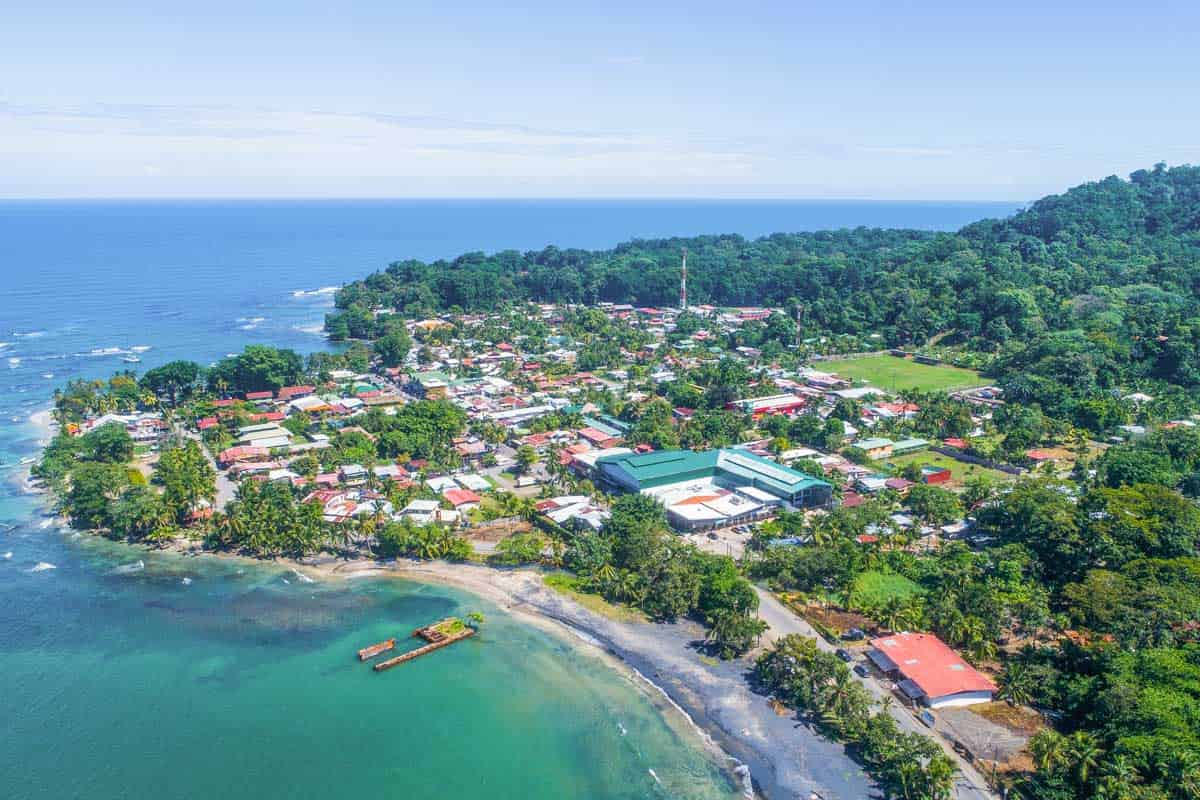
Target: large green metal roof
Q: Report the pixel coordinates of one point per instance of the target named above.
(673, 466)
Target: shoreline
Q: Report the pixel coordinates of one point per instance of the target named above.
(763, 753)
(783, 758)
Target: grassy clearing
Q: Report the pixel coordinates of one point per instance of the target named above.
(895, 374)
(570, 586)
(959, 471)
(873, 589)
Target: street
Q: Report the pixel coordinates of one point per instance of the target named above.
(783, 621)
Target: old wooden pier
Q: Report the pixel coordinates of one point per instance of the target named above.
(438, 635)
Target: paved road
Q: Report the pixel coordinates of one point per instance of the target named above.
(226, 489)
(783, 621)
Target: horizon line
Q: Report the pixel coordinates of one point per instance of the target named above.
(491, 198)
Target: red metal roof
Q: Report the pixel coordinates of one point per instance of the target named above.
(929, 663)
(459, 497)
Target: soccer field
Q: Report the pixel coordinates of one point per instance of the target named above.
(894, 374)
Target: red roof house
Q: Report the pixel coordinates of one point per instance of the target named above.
(462, 497)
(598, 438)
(242, 453)
(292, 392)
(930, 671)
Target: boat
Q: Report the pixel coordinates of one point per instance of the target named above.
(379, 647)
(131, 359)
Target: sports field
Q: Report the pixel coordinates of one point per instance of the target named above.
(894, 374)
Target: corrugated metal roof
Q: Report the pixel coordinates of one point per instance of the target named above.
(672, 466)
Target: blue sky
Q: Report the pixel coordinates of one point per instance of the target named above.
(386, 98)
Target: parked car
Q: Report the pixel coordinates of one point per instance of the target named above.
(844, 655)
(862, 670)
(854, 635)
(713, 536)
(926, 717)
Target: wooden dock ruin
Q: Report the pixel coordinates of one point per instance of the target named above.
(440, 634)
(368, 653)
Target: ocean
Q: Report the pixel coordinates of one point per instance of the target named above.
(132, 675)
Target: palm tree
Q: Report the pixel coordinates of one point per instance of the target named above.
(1049, 750)
(606, 574)
(1016, 685)
(1084, 751)
(897, 614)
(1118, 780)
(1184, 771)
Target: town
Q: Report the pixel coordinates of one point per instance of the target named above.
(514, 437)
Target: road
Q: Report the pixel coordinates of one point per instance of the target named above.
(226, 489)
(970, 785)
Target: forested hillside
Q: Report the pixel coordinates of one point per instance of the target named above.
(1083, 293)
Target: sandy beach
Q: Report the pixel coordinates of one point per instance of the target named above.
(785, 759)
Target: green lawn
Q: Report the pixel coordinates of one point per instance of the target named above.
(570, 586)
(894, 374)
(959, 471)
(873, 589)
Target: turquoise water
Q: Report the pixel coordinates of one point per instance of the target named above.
(190, 678)
(203, 678)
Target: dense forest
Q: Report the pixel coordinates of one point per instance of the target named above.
(1081, 294)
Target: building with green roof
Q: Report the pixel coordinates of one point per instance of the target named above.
(728, 467)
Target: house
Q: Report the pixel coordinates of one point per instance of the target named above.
(932, 475)
(876, 448)
(930, 672)
(421, 512)
(255, 396)
(352, 474)
(242, 453)
(904, 446)
(463, 500)
(758, 407)
(309, 404)
(474, 482)
(574, 511)
(288, 393)
(598, 438)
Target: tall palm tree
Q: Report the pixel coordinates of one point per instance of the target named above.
(1084, 751)
(1049, 750)
(1016, 685)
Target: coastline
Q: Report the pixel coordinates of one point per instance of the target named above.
(766, 754)
(781, 756)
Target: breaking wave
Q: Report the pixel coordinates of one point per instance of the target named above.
(324, 290)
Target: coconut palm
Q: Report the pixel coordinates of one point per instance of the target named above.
(1016, 685)
(1084, 751)
(1049, 750)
